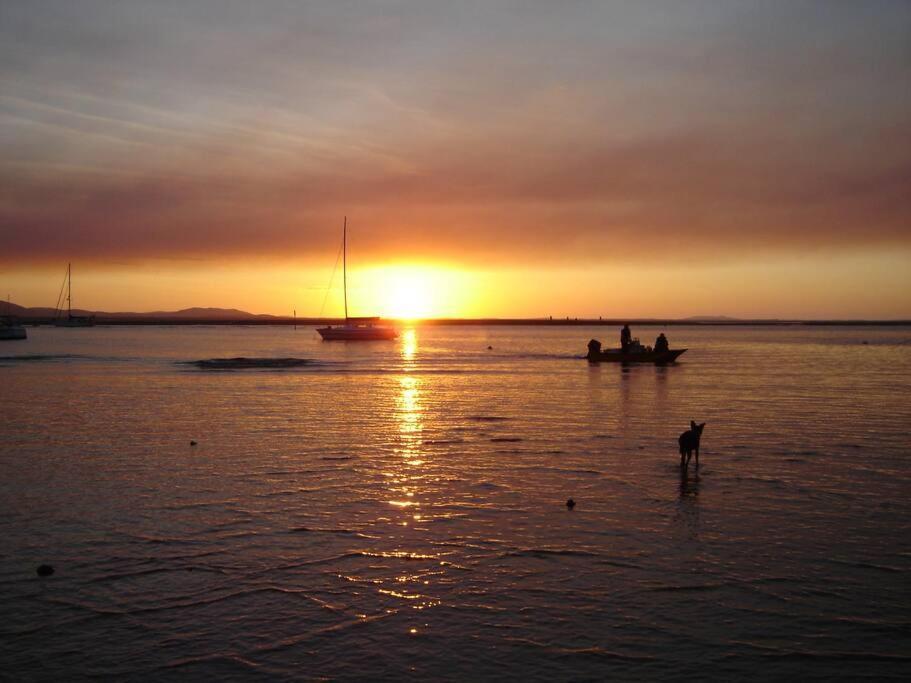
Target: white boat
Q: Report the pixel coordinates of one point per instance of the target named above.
(10, 329)
(70, 320)
(355, 329)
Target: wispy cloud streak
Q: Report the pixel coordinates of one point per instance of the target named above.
(487, 131)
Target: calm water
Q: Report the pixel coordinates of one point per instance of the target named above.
(397, 509)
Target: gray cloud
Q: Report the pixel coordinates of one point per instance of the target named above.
(473, 131)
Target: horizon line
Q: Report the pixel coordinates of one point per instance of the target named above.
(39, 317)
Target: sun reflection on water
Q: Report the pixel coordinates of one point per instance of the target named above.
(405, 476)
(409, 422)
(409, 341)
(410, 419)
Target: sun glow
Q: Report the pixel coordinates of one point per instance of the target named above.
(408, 295)
(410, 292)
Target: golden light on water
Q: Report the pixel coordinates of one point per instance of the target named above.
(405, 479)
(409, 341)
(409, 417)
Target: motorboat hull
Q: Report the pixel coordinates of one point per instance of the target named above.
(351, 333)
(617, 356)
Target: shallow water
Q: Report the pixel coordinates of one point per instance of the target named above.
(397, 509)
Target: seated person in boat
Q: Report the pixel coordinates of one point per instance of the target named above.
(661, 343)
(594, 348)
(626, 338)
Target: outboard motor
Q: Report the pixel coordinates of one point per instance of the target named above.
(594, 348)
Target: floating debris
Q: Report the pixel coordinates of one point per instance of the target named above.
(44, 570)
(192, 443)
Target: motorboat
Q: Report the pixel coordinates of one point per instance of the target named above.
(635, 353)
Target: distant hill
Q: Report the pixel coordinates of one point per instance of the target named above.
(22, 312)
(711, 319)
(227, 316)
(198, 313)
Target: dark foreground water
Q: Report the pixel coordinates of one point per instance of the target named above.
(396, 510)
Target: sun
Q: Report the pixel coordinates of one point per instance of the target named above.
(408, 295)
(413, 291)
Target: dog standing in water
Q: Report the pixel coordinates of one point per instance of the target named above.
(689, 442)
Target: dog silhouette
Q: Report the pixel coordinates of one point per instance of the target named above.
(689, 444)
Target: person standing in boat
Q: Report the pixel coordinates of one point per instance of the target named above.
(661, 343)
(626, 338)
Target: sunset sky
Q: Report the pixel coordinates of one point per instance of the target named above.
(624, 159)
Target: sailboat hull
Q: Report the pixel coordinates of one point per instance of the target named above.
(75, 321)
(351, 333)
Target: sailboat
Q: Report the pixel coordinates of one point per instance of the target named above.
(70, 320)
(355, 329)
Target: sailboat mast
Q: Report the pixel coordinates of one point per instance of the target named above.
(345, 263)
(69, 290)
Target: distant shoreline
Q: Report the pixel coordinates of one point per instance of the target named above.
(500, 322)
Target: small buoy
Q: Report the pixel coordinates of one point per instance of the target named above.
(192, 443)
(570, 503)
(44, 570)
